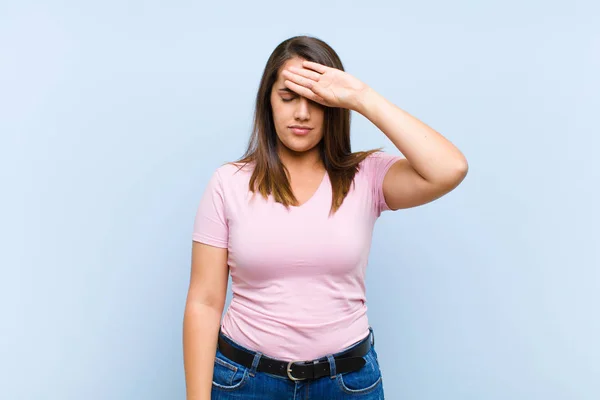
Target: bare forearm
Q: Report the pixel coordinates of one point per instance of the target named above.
(433, 156)
(200, 331)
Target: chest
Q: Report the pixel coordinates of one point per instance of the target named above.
(265, 238)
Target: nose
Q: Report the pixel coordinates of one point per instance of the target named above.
(302, 111)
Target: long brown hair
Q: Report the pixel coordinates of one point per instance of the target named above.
(269, 175)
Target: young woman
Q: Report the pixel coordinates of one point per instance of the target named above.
(292, 221)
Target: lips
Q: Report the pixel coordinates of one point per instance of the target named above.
(300, 130)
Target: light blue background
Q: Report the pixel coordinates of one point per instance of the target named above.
(113, 116)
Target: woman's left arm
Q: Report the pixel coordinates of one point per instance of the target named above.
(433, 165)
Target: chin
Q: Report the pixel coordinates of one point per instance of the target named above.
(301, 145)
(297, 149)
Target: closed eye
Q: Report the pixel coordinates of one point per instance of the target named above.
(287, 92)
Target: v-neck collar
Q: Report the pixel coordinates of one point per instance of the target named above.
(316, 192)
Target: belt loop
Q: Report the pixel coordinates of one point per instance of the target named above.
(372, 336)
(332, 370)
(255, 361)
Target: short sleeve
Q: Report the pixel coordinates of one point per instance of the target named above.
(210, 224)
(376, 166)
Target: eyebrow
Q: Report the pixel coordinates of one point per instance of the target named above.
(286, 90)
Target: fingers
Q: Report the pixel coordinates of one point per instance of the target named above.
(303, 91)
(307, 73)
(304, 81)
(299, 79)
(315, 66)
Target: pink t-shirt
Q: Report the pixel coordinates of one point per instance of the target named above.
(298, 276)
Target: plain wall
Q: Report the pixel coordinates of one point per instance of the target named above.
(113, 116)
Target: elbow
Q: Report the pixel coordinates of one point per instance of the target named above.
(460, 172)
(462, 168)
(455, 174)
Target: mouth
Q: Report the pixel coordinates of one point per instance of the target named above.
(298, 130)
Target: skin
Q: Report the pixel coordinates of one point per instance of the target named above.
(433, 165)
(298, 153)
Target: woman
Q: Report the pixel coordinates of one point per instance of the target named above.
(292, 220)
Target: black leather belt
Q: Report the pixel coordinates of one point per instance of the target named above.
(350, 360)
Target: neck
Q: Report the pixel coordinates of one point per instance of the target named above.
(306, 161)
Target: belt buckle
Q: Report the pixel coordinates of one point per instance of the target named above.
(289, 371)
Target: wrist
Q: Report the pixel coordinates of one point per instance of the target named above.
(364, 100)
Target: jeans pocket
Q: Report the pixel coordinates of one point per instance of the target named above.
(228, 375)
(365, 380)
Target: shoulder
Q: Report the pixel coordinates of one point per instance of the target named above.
(377, 162)
(231, 168)
(232, 174)
(379, 156)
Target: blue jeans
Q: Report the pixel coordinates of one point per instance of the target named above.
(235, 381)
